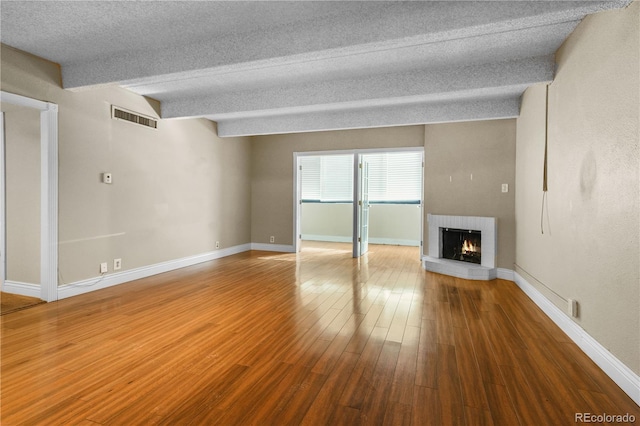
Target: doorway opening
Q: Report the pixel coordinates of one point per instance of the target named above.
(360, 197)
(48, 222)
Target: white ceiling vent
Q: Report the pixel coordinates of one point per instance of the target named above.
(133, 117)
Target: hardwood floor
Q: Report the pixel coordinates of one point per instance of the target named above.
(16, 302)
(314, 338)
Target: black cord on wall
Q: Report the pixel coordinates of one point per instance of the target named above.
(544, 169)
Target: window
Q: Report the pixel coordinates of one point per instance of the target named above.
(395, 177)
(327, 178)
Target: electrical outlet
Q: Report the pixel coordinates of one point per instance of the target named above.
(505, 187)
(272, 239)
(573, 307)
(117, 264)
(104, 268)
(217, 244)
(106, 178)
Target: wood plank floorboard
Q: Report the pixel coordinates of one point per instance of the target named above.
(15, 302)
(313, 338)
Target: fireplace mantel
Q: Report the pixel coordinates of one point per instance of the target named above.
(487, 225)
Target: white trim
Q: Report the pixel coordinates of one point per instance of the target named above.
(23, 289)
(12, 98)
(394, 242)
(49, 203)
(372, 240)
(48, 191)
(357, 208)
(3, 221)
(422, 211)
(327, 238)
(97, 283)
(622, 375)
(273, 247)
(297, 194)
(506, 274)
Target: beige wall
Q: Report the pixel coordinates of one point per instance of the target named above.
(388, 223)
(22, 149)
(176, 190)
(485, 149)
(327, 220)
(272, 170)
(590, 250)
(395, 222)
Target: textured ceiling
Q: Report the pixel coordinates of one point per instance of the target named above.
(279, 67)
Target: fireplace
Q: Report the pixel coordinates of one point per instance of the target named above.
(462, 245)
(478, 255)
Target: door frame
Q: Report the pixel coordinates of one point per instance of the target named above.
(359, 205)
(297, 191)
(48, 193)
(3, 216)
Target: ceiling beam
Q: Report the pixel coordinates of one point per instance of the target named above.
(396, 115)
(407, 87)
(379, 28)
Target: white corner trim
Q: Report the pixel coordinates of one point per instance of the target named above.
(506, 274)
(273, 247)
(23, 289)
(97, 283)
(624, 377)
(49, 203)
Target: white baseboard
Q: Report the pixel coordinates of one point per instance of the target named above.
(97, 283)
(372, 240)
(394, 242)
(272, 247)
(628, 380)
(506, 274)
(108, 280)
(23, 289)
(327, 238)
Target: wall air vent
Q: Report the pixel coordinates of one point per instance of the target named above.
(118, 113)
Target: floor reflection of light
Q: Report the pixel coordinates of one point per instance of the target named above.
(335, 299)
(281, 257)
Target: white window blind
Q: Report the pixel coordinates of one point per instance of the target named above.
(327, 178)
(395, 177)
(310, 178)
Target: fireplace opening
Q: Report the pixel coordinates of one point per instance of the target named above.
(461, 244)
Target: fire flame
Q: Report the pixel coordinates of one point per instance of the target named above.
(469, 247)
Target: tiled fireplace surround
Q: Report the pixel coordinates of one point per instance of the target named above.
(433, 262)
